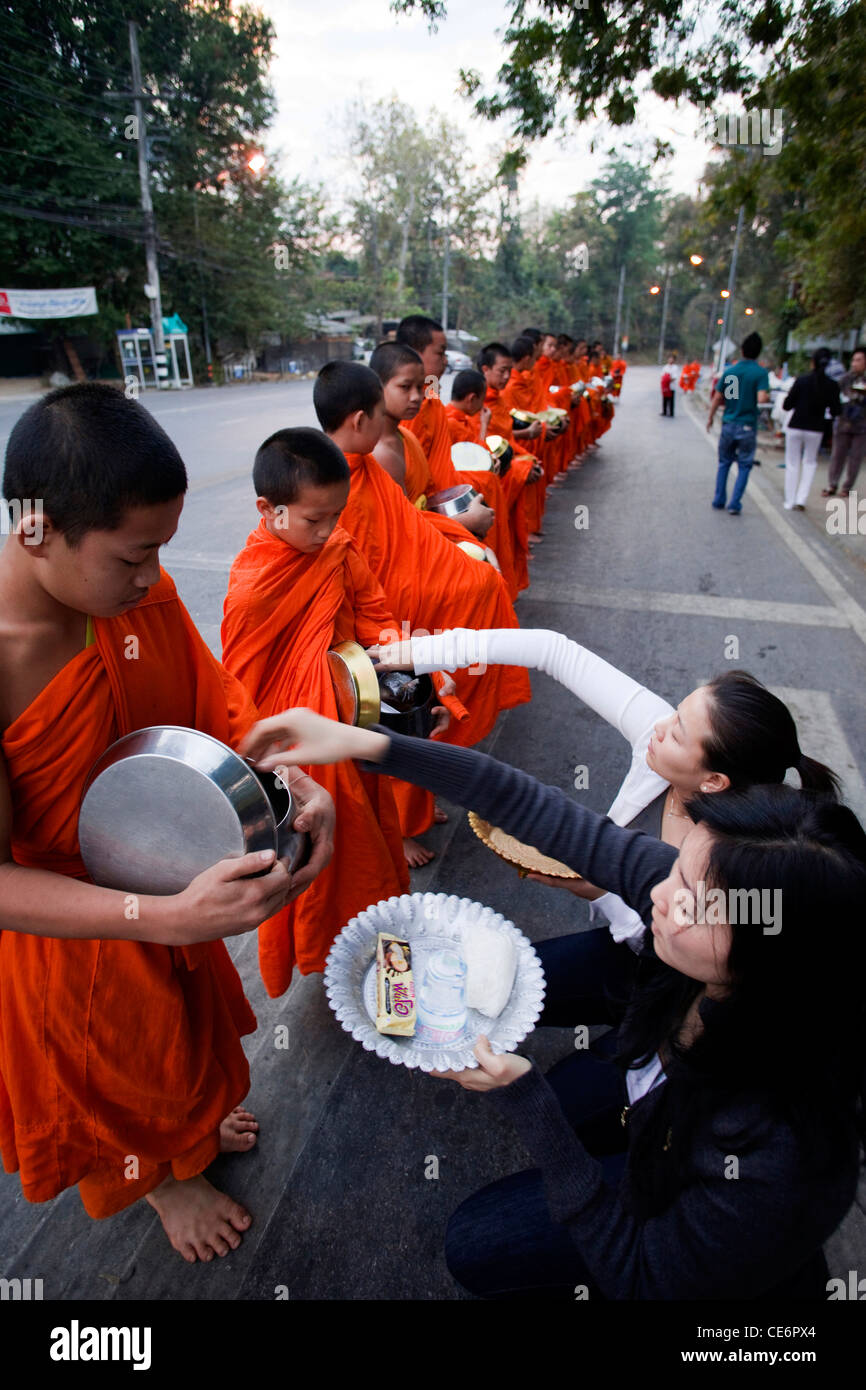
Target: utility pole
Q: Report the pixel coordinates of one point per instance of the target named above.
(664, 314)
(147, 208)
(732, 280)
(619, 294)
(445, 267)
(709, 342)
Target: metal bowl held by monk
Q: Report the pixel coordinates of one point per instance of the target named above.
(163, 804)
(356, 688)
(407, 703)
(452, 501)
(471, 457)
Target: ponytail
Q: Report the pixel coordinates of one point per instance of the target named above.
(815, 777)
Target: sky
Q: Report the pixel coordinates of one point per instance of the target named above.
(326, 57)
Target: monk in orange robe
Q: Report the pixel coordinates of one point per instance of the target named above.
(525, 473)
(429, 583)
(430, 425)
(121, 1065)
(555, 395)
(401, 373)
(299, 587)
(521, 392)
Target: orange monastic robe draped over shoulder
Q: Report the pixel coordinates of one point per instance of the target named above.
(431, 585)
(419, 484)
(522, 392)
(430, 428)
(112, 1049)
(283, 612)
(464, 429)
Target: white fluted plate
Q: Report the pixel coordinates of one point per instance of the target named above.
(429, 922)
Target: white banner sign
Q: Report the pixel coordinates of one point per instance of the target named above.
(48, 304)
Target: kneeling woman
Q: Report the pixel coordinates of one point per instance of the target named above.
(739, 1058)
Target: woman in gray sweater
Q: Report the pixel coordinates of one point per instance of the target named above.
(741, 1050)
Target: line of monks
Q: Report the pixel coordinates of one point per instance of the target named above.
(121, 1067)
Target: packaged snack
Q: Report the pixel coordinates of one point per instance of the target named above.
(395, 987)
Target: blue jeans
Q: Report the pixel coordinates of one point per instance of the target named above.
(736, 442)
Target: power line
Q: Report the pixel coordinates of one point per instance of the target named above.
(18, 105)
(52, 92)
(25, 37)
(112, 166)
(15, 190)
(97, 113)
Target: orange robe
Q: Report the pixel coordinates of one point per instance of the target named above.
(114, 1049)
(430, 429)
(283, 612)
(465, 429)
(431, 586)
(522, 392)
(558, 452)
(419, 484)
(521, 496)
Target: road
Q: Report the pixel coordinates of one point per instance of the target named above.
(659, 584)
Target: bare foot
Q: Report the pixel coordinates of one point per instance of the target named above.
(199, 1221)
(439, 816)
(417, 855)
(238, 1131)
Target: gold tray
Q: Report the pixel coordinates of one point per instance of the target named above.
(525, 858)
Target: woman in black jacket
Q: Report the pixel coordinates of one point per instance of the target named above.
(811, 396)
(739, 1060)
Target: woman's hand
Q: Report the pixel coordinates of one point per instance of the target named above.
(298, 737)
(392, 656)
(492, 1071)
(580, 887)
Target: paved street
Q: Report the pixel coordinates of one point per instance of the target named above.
(659, 584)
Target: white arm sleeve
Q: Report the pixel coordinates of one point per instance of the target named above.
(625, 924)
(629, 707)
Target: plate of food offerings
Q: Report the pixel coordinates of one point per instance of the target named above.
(437, 971)
(525, 858)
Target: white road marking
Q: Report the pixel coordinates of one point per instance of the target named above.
(697, 605)
(181, 560)
(854, 616)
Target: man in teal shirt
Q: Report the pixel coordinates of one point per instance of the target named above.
(740, 389)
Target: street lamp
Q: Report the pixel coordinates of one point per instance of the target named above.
(655, 289)
(750, 311)
(725, 294)
(256, 162)
(696, 259)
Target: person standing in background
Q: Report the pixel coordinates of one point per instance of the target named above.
(811, 396)
(850, 441)
(668, 386)
(743, 386)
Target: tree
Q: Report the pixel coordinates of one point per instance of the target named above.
(68, 163)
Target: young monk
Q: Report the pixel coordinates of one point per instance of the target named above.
(299, 587)
(121, 1064)
(401, 373)
(469, 422)
(430, 425)
(523, 479)
(427, 581)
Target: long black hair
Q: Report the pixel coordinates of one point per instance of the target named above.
(753, 736)
(789, 1038)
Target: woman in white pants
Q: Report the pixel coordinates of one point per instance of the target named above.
(811, 396)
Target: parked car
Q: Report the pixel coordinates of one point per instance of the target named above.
(457, 360)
